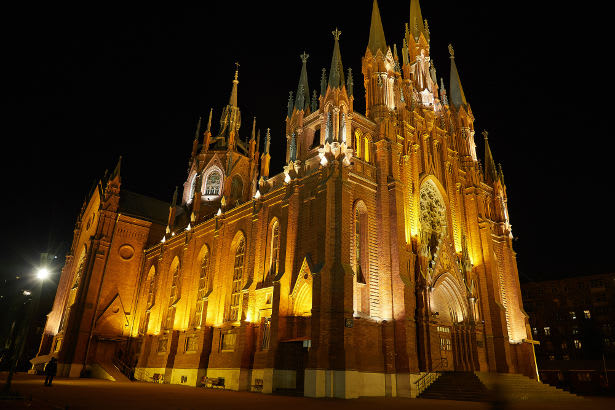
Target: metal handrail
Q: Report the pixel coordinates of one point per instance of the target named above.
(429, 377)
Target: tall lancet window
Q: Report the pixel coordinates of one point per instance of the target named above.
(329, 128)
(192, 188)
(274, 252)
(237, 280)
(360, 244)
(151, 299)
(212, 186)
(173, 297)
(202, 289)
(343, 127)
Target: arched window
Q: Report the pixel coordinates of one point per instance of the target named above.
(202, 290)
(274, 251)
(174, 295)
(358, 144)
(212, 185)
(236, 189)
(366, 149)
(72, 293)
(237, 279)
(343, 127)
(360, 243)
(151, 299)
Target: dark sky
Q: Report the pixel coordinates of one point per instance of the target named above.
(86, 85)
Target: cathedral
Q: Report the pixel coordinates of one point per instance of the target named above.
(381, 253)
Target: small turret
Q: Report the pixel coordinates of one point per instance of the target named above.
(266, 158)
(491, 174)
(230, 122)
(302, 101)
(457, 96)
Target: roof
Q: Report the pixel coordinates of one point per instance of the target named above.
(143, 207)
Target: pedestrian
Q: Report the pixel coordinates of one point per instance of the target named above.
(50, 371)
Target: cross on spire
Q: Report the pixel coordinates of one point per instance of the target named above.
(485, 134)
(451, 51)
(236, 69)
(336, 33)
(304, 57)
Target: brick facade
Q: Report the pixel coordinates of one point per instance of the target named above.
(391, 256)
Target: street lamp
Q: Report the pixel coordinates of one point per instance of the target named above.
(41, 274)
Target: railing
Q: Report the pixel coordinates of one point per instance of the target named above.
(428, 378)
(125, 369)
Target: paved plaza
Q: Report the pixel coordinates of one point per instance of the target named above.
(100, 394)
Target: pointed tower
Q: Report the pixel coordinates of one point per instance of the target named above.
(378, 66)
(417, 24)
(265, 157)
(336, 124)
(302, 100)
(462, 112)
(230, 122)
(336, 72)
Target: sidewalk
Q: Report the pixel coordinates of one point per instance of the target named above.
(100, 394)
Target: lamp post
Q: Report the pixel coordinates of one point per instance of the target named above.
(41, 275)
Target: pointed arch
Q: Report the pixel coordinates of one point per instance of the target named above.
(238, 252)
(301, 296)
(202, 286)
(273, 249)
(150, 301)
(174, 293)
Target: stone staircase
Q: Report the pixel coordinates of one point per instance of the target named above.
(464, 386)
(483, 386)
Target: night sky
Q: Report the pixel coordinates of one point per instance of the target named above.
(86, 85)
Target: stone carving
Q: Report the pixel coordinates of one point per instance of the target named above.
(433, 210)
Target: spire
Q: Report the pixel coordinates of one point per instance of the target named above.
(323, 82)
(267, 141)
(211, 112)
(336, 72)
(198, 128)
(116, 171)
(457, 96)
(258, 141)
(314, 101)
(302, 102)
(233, 100)
(174, 200)
(207, 133)
(501, 174)
(349, 82)
(376, 32)
(417, 26)
(289, 105)
(491, 174)
(443, 92)
(253, 138)
(231, 116)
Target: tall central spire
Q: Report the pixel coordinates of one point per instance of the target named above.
(231, 116)
(417, 27)
(376, 32)
(336, 73)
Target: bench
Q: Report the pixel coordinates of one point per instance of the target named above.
(258, 385)
(212, 382)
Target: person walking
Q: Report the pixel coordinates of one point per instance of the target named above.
(50, 371)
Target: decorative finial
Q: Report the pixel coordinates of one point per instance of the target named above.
(451, 51)
(485, 134)
(304, 57)
(236, 70)
(336, 34)
(426, 27)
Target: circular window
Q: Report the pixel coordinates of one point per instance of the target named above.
(126, 252)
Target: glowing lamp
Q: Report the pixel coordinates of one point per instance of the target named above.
(42, 273)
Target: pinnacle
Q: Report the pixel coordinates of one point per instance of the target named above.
(376, 32)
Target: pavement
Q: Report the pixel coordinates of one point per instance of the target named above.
(76, 394)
